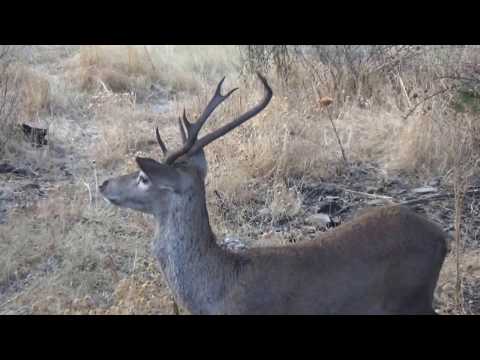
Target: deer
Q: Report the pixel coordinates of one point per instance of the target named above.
(385, 261)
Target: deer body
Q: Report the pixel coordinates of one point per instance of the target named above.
(387, 261)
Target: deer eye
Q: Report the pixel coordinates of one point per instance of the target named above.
(142, 179)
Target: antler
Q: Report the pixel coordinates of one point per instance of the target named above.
(194, 129)
(192, 145)
(160, 142)
(182, 133)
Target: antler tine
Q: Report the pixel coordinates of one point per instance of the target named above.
(194, 128)
(187, 123)
(182, 131)
(160, 142)
(207, 139)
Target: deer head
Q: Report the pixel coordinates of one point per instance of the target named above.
(182, 172)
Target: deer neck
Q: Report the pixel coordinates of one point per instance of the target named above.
(195, 267)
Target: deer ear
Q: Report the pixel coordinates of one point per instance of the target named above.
(157, 172)
(148, 166)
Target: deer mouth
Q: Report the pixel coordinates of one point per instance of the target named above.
(109, 199)
(113, 201)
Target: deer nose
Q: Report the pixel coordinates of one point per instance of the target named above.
(104, 185)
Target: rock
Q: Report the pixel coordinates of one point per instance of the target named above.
(358, 172)
(24, 172)
(329, 189)
(336, 220)
(328, 206)
(6, 195)
(393, 182)
(321, 219)
(398, 191)
(264, 212)
(6, 168)
(332, 198)
(435, 181)
(37, 136)
(309, 229)
(425, 190)
(31, 186)
(376, 202)
(233, 244)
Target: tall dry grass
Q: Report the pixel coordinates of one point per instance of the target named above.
(136, 68)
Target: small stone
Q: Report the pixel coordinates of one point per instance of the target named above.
(336, 220)
(329, 189)
(32, 186)
(23, 172)
(264, 212)
(233, 244)
(332, 198)
(435, 181)
(6, 195)
(6, 168)
(399, 191)
(328, 207)
(425, 190)
(376, 202)
(319, 219)
(309, 229)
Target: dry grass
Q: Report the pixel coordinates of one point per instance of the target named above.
(430, 144)
(65, 255)
(119, 125)
(135, 68)
(34, 94)
(72, 253)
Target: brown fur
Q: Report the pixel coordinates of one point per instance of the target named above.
(386, 261)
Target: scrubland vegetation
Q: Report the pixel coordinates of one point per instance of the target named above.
(397, 118)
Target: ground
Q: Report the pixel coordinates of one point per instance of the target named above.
(64, 250)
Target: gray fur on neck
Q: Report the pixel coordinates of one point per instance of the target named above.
(196, 269)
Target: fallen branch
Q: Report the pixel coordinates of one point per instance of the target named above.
(374, 196)
(436, 197)
(426, 199)
(395, 202)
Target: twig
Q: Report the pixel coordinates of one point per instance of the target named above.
(89, 192)
(105, 88)
(428, 98)
(338, 137)
(366, 194)
(342, 210)
(404, 90)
